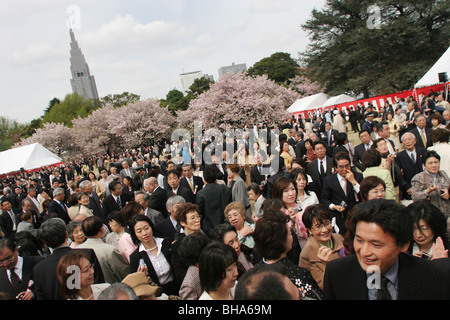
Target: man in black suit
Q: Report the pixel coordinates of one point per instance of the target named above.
(173, 179)
(16, 272)
(320, 168)
(300, 149)
(330, 135)
(259, 174)
(366, 144)
(412, 106)
(410, 160)
(169, 227)
(53, 232)
(353, 118)
(58, 206)
(380, 269)
(8, 218)
(341, 189)
(319, 126)
(422, 133)
(189, 180)
(158, 196)
(384, 132)
(212, 200)
(115, 201)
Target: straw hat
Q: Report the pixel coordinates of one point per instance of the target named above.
(141, 284)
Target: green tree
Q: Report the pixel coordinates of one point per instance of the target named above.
(360, 48)
(175, 101)
(72, 107)
(279, 67)
(9, 132)
(199, 86)
(119, 100)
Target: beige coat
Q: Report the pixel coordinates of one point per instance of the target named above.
(310, 261)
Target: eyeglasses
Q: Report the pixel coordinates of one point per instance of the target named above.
(319, 227)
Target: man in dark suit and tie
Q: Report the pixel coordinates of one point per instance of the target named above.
(330, 135)
(53, 232)
(320, 168)
(422, 133)
(259, 174)
(16, 272)
(115, 201)
(158, 196)
(58, 206)
(8, 218)
(173, 179)
(169, 227)
(410, 160)
(341, 187)
(366, 144)
(380, 269)
(410, 115)
(189, 180)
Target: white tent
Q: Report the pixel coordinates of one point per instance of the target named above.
(308, 103)
(431, 77)
(342, 98)
(30, 157)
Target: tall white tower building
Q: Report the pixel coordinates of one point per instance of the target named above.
(82, 81)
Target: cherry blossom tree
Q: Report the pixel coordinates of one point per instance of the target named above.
(238, 100)
(141, 123)
(55, 137)
(304, 86)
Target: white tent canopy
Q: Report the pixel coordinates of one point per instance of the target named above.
(308, 103)
(431, 77)
(32, 156)
(342, 98)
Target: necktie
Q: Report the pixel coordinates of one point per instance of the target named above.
(413, 158)
(15, 282)
(191, 185)
(13, 218)
(322, 169)
(424, 140)
(344, 185)
(119, 203)
(383, 292)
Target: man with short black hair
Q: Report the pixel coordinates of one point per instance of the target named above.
(380, 269)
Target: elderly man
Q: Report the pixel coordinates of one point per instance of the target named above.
(410, 160)
(422, 133)
(158, 196)
(143, 198)
(58, 205)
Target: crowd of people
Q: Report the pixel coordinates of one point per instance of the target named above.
(141, 224)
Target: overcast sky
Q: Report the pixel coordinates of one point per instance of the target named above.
(139, 46)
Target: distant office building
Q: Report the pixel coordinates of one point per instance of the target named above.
(188, 78)
(82, 81)
(234, 68)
